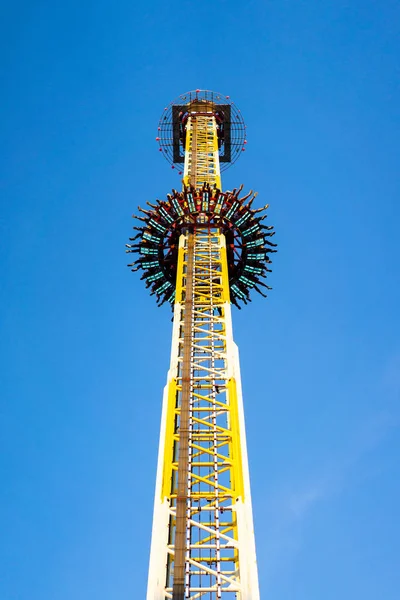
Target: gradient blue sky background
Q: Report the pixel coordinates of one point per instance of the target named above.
(85, 351)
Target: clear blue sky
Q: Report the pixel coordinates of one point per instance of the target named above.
(84, 350)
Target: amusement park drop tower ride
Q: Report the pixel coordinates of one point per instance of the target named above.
(201, 250)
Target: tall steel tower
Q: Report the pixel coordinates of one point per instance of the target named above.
(201, 250)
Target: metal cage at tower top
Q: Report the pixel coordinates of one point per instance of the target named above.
(231, 128)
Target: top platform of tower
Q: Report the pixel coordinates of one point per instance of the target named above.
(172, 126)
